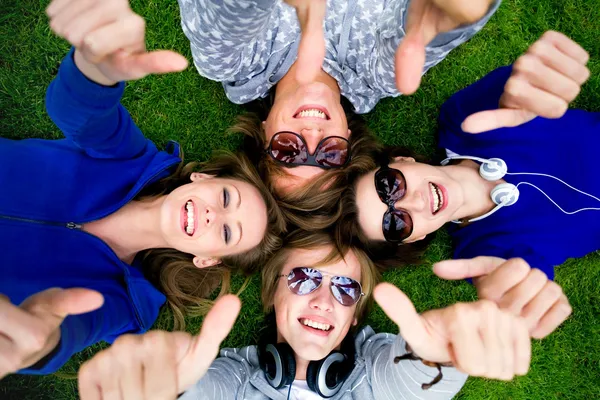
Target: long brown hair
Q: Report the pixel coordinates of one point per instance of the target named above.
(348, 231)
(186, 286)
(303, 240)
(315, 205)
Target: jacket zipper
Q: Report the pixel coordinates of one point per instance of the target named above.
(76, 226)
(70, 225)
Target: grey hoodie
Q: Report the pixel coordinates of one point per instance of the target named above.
(236, 374)
(249, 45)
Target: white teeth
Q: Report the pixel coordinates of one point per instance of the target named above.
(189, 206)
(437, 197)
(312, 113)
(316, 325)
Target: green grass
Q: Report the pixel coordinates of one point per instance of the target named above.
(195, 112)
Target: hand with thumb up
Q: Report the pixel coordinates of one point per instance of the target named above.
(425, 20)
(157, 364)
(477, 338)
(514, 286)
(32, 330)
(544, 81)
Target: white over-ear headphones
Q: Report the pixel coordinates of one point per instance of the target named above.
(507, 194)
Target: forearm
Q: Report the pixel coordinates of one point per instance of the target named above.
(90, 114)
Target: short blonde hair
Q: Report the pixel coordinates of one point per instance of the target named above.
(303, 240)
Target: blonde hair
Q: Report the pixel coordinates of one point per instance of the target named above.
(303, 240)
(186, 286)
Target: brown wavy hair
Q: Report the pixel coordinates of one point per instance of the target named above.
(315, 205)
(349, 233)
(305, 240)
(186, 286)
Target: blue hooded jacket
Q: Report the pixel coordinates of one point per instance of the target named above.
(533, 228)
(50, 187)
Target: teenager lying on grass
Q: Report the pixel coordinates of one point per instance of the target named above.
(371, 50)
(316, 298)
(523, 187)
(104, 211)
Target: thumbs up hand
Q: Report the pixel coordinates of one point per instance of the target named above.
(425, 20)
(514, 286)
(157, 364)
(478, 338)
(543, 82)
(32, 330)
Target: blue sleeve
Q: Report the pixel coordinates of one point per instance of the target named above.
(91, 116)
(481, 96)
(114, 318)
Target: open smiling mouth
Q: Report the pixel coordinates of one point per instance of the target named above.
(312, 112)
(438, 198)
(317, 328)
(189, 218)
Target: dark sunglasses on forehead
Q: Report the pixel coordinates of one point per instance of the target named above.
(289, 148)
(390, 185)
(305, 280)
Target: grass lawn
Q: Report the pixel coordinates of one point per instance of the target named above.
(195, 112)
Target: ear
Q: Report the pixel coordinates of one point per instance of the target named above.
(199, 176)
(349, 132)
(264, 123)
(355, 322)
(415, 239)
(201, 262)
(404, 159)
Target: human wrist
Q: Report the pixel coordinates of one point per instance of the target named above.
(91, 71)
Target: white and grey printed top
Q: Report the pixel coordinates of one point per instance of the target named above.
(249, 45)
(236, 374)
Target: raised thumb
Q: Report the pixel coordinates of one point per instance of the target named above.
(311, 51)
(466, 268)
(401, 310)
(59, 303)
(204, 348)
(410, 60)
(495, 119)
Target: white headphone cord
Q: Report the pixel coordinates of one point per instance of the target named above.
(553, 177)
(553, 202)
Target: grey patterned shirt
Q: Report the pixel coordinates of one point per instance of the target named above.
(249, 45)
(236, 374)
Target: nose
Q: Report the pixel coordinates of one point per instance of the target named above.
(322, 299)
(413, 201)
(312, 136)
(209, 216)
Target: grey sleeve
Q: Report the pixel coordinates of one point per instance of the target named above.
(392, 31)
(403, 380)
(222, 381)
(223, 33)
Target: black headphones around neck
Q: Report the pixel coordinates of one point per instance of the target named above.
(324, 377)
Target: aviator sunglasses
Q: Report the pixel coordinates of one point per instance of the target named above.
(390, 185)
(305, 280)
(289, 148)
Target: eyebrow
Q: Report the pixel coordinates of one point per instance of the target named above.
(239, 196)
(241, 233)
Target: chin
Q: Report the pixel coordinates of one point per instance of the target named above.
(312, 353)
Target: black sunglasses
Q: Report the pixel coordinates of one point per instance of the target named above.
(289, 148)
(305, 280)
(397, 224)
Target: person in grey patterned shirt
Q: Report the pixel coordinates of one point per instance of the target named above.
(372, 48)
(477, 338)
